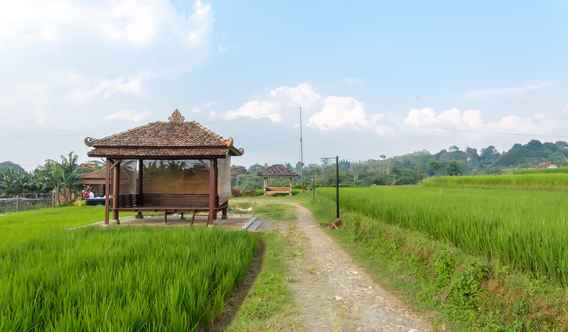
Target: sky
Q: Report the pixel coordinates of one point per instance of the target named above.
(372, 77)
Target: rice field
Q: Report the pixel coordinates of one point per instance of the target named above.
(527, 230)
(530, 181)
(114, 279)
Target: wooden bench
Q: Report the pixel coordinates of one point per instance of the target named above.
(271, 191)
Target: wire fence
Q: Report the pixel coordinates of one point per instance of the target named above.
(25, 202)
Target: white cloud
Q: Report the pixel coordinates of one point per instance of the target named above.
(281, 105)
(340, 112)
(452, 118)
(256, 109)
(301, 95)
(128, 115)
(136, 22)
(507, 92)
(516, 124)
(106, 89)
(201, 24)
(455, 119)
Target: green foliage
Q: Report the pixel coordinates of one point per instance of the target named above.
(527, 180)
(274, 211)
(524, 229)
(16, 228)
(128, 279)
(8, 165)
(95, 279)
(561, 170)
(61, 176)
(269, 305)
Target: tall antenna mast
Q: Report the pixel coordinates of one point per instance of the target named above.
(301, 146)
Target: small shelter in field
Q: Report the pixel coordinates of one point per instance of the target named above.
(173, 167)
(281, 172)
(95, 180)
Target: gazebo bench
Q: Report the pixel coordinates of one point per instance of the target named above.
(271, 191)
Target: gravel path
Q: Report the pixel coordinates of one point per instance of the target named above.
(333, 293)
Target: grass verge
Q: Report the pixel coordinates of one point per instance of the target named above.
(469, 292)
(265, 207)
(269, 305)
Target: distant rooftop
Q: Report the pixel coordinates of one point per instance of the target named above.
(278, 170)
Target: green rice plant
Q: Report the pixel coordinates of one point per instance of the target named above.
(562, 170)
(121, 279)
(527, 230)
(538, 181)
(16, 228)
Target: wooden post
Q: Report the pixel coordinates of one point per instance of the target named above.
(140, 198)
(290, 185)
(107, 191)
(116, 192)
(212, 191)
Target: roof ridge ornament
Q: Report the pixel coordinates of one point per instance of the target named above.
(176, 118)
(89, 141)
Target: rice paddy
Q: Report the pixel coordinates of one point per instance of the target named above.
(557, 181)
(114, 279)
(527, 230)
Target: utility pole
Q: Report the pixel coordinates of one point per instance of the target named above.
(301, 147)
(337, 222)
(337, 187)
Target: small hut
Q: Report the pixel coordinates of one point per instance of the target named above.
(95, 181)
(279, 172)
(172, 167)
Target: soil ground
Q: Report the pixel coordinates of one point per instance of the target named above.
(333, 293)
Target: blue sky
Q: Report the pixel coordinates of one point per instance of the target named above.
(372, 77)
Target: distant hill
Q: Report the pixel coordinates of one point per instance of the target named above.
(10, 165)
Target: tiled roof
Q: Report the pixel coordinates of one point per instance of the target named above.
(164, 139)
(278, 170)
(132, 152)
(98, 174)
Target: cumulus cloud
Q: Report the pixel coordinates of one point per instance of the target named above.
(256, 109)
(136, 22)
(281, 105)
(93, 53)
(456, 119)
(452, 118)
(128, 115)
(340, 112)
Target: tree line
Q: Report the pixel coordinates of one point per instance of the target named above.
(414, 167)
(62, 177)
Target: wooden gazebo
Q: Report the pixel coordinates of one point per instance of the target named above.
(277, 171)
(172, 167)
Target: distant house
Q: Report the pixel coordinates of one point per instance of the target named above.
(546, 164)
(277, 171)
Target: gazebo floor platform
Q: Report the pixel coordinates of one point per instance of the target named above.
(235, 223)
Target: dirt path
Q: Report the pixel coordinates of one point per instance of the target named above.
(333, 293)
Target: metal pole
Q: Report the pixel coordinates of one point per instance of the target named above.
(337, 185)
(314, 188)
(301, 148)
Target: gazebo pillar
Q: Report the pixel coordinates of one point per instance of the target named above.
(116, 192)
(107, 191)
(290, 185)
(212, 191)
(140, 191)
